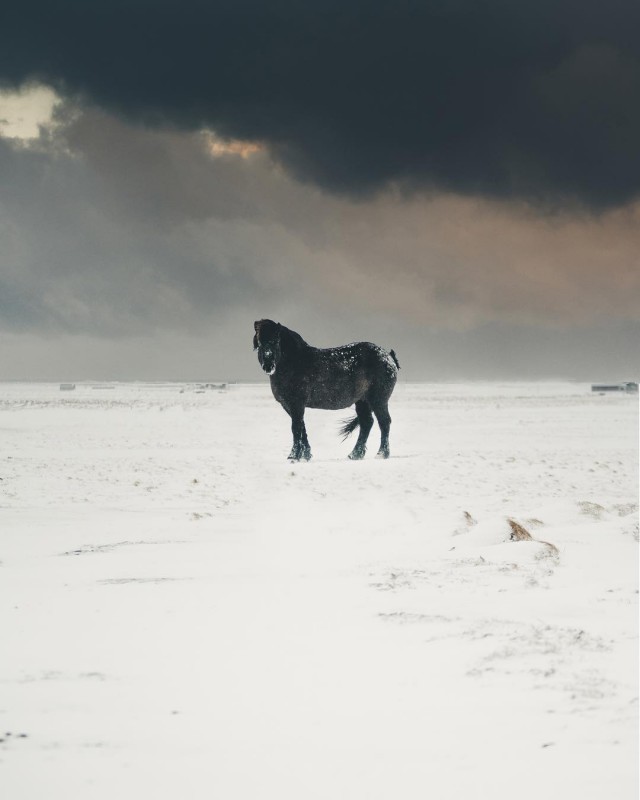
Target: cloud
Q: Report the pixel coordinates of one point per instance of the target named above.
(457, 263)
(536, 101)
(120, 242)
(22, 113)
(111, 230)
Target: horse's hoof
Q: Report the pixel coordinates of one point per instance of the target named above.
(356, 456)
(382, 454)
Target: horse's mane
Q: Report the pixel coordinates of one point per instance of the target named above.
(290, 340)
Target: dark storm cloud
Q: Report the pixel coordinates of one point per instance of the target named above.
(499, 98)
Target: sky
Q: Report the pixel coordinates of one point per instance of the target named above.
(458, 181)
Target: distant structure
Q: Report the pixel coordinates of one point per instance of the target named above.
(67, 387)
(201, 388)
(629, 386)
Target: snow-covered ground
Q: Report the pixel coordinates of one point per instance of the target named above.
(185, 614)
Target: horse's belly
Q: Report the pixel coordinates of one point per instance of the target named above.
(337, 395)
(330, 404)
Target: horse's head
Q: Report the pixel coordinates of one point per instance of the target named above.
(267, 342)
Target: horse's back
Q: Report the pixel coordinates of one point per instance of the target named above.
(341, 376)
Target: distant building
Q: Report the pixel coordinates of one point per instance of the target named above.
(629, 386)
(67, 387)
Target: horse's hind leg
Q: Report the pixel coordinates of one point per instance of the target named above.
(381, 410)
(365, 421)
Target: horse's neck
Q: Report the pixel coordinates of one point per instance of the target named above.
(291, 341)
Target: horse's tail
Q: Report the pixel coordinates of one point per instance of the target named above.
(348, 427)
(395, 358)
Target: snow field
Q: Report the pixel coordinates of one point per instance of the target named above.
(185, 613)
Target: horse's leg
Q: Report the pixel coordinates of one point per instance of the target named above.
(305, 452)
(301, 448)
(293, 454)
(365, 420)
(381, 410)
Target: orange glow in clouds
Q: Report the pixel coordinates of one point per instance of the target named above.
(218, 147)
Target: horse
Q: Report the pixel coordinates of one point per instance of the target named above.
(331, 378)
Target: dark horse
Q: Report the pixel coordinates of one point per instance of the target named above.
(303, 376)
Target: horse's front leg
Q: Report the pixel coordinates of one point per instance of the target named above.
(301, 449)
